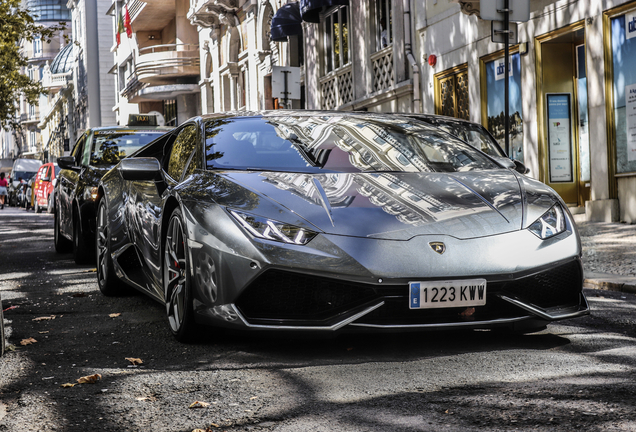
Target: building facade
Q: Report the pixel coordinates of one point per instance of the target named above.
(570, 83)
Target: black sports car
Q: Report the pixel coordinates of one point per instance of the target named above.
(320, 221)
(95, 152)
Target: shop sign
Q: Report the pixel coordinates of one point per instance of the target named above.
(630, 25)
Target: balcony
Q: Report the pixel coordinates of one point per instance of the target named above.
(149, 15)
(163, 64)
(55, 82)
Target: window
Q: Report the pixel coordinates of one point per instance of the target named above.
(336, 38)
(451, 93)
(383, 24)
(182, 149)
(37, 45)
(170, 112)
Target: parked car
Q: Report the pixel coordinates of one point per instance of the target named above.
(43, 189)
(472, 133)
(320, 221)
(94, 153)
(22, 169)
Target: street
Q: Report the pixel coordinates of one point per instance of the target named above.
(576, 375)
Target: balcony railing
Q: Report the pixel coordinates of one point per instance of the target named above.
(161, 64)
(56, 81)
(336, 88)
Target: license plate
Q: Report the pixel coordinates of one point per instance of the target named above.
(447, 294)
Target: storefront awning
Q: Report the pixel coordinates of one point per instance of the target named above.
(310, 9)
(286, 22)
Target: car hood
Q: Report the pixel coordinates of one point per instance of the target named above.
(396, 206)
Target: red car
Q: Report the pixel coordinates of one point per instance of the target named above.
(43, 187)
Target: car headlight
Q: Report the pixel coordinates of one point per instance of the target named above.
(549, 224)
(273, 230)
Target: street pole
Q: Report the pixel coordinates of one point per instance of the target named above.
(507, 74)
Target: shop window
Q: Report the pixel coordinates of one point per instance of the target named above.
(495, 83)
(623, 36)
(336, 41)
(451, 93)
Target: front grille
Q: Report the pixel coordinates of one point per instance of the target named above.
(557, 286)
(286, 298)
(284, 295)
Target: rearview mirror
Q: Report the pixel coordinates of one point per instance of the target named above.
(67, 162)
(140, 169)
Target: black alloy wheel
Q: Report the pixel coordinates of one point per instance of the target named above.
(176, 280)
(82, 252)
(109, 284)
(62, 244)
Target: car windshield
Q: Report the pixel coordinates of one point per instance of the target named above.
(24, 175)
(109, 147)
(473, 135)
(336, 144)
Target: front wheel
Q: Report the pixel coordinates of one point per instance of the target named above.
(62, 244)
(49, 200)
(109, 284)
(176, 280)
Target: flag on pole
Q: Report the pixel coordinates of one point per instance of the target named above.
(120, 28)
(127, 25)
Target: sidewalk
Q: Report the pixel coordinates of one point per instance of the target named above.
(609, 255)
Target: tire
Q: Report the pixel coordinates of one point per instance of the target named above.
(82, 250)
(38, 209)
(109, 284)
(176, 280)
(62, 244)
(49, 208)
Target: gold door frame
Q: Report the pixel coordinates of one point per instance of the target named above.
(541, 105)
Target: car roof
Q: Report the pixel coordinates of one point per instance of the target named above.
(133, 128)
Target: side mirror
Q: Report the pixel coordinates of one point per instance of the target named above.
(505, 162)
(140, 169)
(67, 162)
(520, 167)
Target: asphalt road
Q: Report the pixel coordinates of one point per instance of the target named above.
(576, 375)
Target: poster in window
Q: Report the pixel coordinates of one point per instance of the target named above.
(630, 114)
(559, 138)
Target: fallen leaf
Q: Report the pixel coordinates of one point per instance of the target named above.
(67, 385)
(50, 317)
(91, 271)
(9, 308)
(28, 341)
(134, 361)
(254, 397)
(89, 379)
(43, 332)
(114, 315)
(199, 404)
(10, 347)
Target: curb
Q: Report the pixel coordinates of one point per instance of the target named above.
(606, 285)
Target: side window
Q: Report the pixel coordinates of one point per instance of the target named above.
(182, 148)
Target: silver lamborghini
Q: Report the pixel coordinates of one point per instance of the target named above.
(327, 221)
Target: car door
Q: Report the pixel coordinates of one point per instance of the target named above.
(145, 204)
(67, 183)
